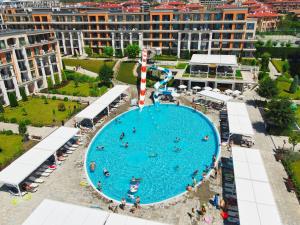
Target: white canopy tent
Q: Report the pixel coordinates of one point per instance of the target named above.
(256, 202)
(215, 95)
(101, 103)
(238, 119)
(51, 212)
(26, 164)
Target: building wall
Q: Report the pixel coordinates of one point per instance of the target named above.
(27, 59)
(223, 30)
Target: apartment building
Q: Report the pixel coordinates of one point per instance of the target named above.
(173, 28)
(283, 6)
(27, 60)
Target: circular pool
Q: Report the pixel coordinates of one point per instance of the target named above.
(165, 146)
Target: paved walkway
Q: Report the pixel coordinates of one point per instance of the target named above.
(287, 203)
(32, 131)
(83, 71)
(70, 97)
(273, 72)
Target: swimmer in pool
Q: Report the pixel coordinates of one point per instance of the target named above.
(206, 138)
(126, 145)
(106, 173)
(101, 147)
(177, 139)
(134, 130)
(92, 166)
(176, 149)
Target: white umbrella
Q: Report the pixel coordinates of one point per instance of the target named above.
(216, 90)
(182, 86)
(236, 92)
(207, 88)
(228, 91)
(196, 87)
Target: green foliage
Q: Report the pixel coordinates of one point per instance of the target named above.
(54, 97)
(288, 44)
(1, 108)
(268, 43)
(278, 52)
(118, 53)
(267, 88)
(249, 61)
(132, 51)
(259, 43)
(108, 51)
(186, 54)
(12, 99)
(285, 67)
(63, 75)
(92, 65)
(106, 74)
(61, 107)
(56, 79)
(13, 120)
(165, 57)
(66, 99)
(265, 58)
(50, 83)
(125, 73)
(45, 101)
(63, 65)
(22, 128)
(238, 74)
(294, 85)
(279, 113)
(291, 163)
(294, 139)
(262, 75)
(23, 94)
(88, 50)
(181, 65)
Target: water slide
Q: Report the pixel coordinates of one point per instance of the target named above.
(158, 90)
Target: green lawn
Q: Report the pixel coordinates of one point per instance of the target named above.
(83, 89)
(283, 87)
(38, 113)
(181, 65)
(11, 146)
(88, 64)
(125, 73)
(166, 57)
(278, 64)
(298, 115)
(295, 167)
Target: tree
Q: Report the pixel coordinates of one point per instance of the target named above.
(294, 85)
(267, 88)
(279, 113)
(132, 51)
(23, 94)
(22, 128)
(88, 50)
(265, 58)
(285, 67)
(61, 107)
(106, 74)
(1, 108)
(262, 75)
(109, 51)
(13, 99)
(294, 139)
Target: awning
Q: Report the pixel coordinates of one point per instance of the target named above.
(102, 102)
(26, 164)
(215, 95)
(255, 198)
(51, 212)
(238, 119)
(214, 60)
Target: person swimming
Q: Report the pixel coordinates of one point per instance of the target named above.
(100, 147)
(106, 172)
(177, 139)
(206, 138)
(131, 196)
(134, 130)
(92, 166)
(176, 149)
(126, 145)
(133, 179)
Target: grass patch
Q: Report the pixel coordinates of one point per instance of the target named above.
(278, 64)
(165, 57)
(37, 113)
(167, 66)
(284, 86)
(88, 64)
(298, 115)
(181, 66)
(125, 73)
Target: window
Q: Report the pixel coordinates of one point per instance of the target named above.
(217, 26)
(218, 16)
(238, 36)
(249, 35)
(207, 16)
(166, 18)
(250, 26)
(240, 16)
(228, 16)
(227, 26)
(239, 26)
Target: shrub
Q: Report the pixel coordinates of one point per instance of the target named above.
(88, 50)
(8, 132)
(49, 82)
(56, 79)
(294, 85)
(23, 94)
(22, 128)
(53, 97)
(61, 107)
(108, 51)
(262, 75)
(238, 73)
(132, 51)
(66, 99)
(13, 99)
(63, 75)
(267, 88)
(45, 101)
(94, 92)
(1, 108)
(13, 120)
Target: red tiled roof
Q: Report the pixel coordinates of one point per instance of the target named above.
(165, 6)
(194, 5)
(132, 9)
(176, 3)
(262, 14)
(109, 5)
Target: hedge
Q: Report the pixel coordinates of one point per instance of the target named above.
(56, 79)
(50, 83)
(279, 52)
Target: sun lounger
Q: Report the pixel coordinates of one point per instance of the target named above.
(233, 220)
(42, 174)
(32, 185)
(72, 145)
(232, 213)
(69, 148)
(51, 167)
(69, 152)
(14, 193)
(45, 170)
(36, 180)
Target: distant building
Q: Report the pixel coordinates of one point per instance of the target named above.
(283, 6)
(27, 60)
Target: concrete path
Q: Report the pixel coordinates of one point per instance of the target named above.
(70, 97)
(82, 71)
(32, 131)
(287, 203)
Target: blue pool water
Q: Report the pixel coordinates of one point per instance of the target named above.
(151, 153)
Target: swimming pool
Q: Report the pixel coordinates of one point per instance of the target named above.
(164, 165)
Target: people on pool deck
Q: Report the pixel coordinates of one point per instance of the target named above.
(133, 130)
(137, 202)
(92, 166)
(100, 147)
(126, 145)
(99, 186)
(206, 138)
(123, 204)
(189, 187)
(106, 172)
(177, 139)
(194, 181)
(214, 160)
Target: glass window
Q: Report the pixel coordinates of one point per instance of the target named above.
(228, 16)
(218, 16)
(240, 16)
(207, 16)
(239, 26)
(250, 26)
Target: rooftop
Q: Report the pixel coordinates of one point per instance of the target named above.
(229, 60)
